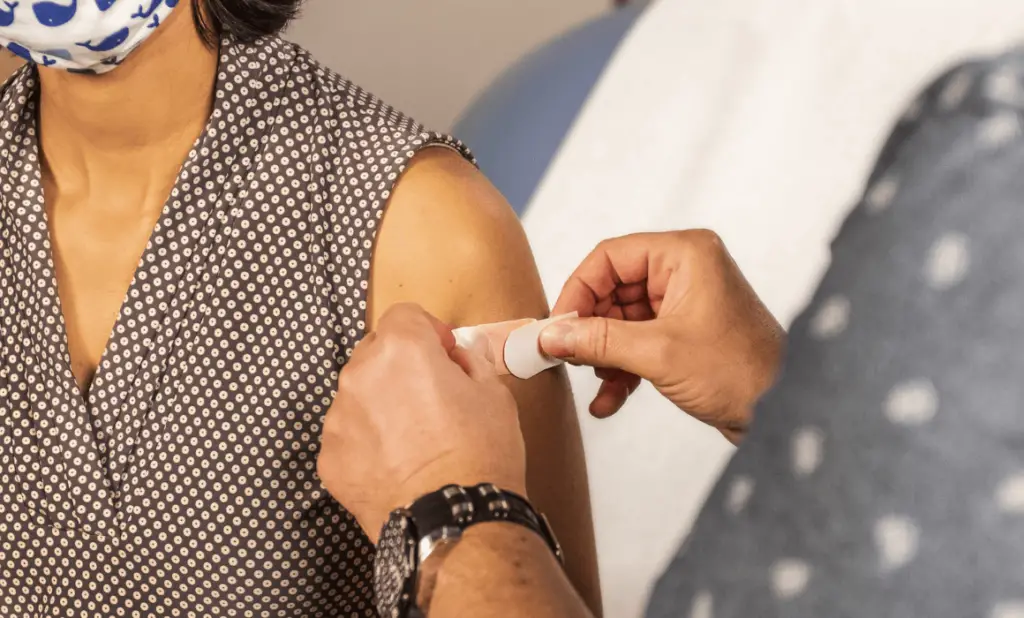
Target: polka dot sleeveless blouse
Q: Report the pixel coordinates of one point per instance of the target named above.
(184, 483)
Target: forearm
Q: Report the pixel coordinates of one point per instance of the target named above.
(503, 570)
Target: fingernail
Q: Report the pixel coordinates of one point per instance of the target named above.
(558, 340)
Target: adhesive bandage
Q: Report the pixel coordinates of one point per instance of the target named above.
(513, 347)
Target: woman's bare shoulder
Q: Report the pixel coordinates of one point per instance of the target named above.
(450, 242)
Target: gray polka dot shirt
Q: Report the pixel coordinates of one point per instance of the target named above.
(884, 475)
(184, 483)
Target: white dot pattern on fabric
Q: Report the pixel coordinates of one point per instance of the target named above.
(999, 129)
(1008, 609)
(948, 261)
(184, 483)
(807, 450)
(913, 402)
(881, 194)
(1010, 494)
(896, 538)
(740, 490)
(831, 318)
(703, 605)
(1003, 86)
(789, 578)
(956, 90)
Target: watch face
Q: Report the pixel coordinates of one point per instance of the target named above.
(394, 566)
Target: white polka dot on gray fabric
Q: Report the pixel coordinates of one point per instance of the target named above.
(1003, 86)
(1008, 609)
(703, 605)
(807, 450)
(956, 89)
(948, 261)
(999, 129)
(913, 402)
(881, 194)
(1010, 494)
(896, 539)
(789, 578)
(831, 318)
(738, 494)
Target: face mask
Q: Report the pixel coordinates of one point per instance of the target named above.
(84, 36)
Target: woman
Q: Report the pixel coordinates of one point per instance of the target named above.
(172, 333)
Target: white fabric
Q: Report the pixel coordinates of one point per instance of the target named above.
(761, 121)
(81, 35)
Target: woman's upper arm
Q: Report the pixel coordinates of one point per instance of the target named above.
(450, 243)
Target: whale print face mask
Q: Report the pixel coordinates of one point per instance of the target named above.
(84, 36)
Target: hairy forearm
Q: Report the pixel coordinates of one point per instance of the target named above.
(504, 570)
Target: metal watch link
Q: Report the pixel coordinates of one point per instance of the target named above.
(430, 527)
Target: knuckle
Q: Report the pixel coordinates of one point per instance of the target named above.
(400, 347)
(705, 241)
(400, 317)
(605, 246)
(398, 311)
(349, 378)
(599, 338)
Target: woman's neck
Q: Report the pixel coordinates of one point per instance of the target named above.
(135, 123)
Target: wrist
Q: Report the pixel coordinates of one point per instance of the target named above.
(417, 541)
(441, 473)
(480, 548)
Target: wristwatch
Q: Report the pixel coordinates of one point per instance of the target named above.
(429, 528)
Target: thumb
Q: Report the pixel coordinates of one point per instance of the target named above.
(633, 347)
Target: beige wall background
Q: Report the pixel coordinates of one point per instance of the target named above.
(430, 58)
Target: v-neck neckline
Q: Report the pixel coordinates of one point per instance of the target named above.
(162, 292)
(85, 399)
(90, 404)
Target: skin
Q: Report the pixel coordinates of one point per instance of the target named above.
(365, 449)
(448, 241)
(674, 309)
(671, 308)
(108, 169)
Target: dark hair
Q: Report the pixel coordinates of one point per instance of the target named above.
(246, 20)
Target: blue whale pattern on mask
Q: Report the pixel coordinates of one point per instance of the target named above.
(84, 36)
(20, 51)
(144, 13)
(54, 14)
(7, 14)
(110, 43)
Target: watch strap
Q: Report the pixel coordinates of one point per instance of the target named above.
(453, 508)
(433, 521)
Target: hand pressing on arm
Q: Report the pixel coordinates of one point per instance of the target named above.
(450, 243)
(414, 414)
(674, 309)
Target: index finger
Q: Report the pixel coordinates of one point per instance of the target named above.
(415, 322)
(614, 264)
